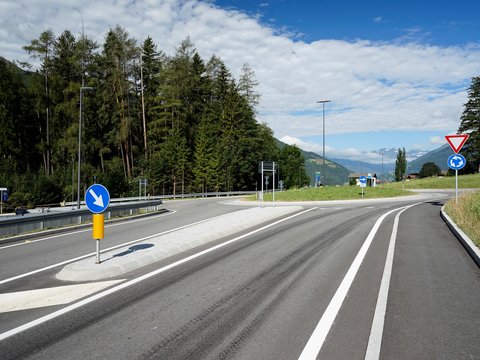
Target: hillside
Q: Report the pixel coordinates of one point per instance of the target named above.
(438, 156)
(336, 173)
(363, 167)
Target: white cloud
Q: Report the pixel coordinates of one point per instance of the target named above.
(374, 86)
(379, 20)
(334, 153)
(438, 140)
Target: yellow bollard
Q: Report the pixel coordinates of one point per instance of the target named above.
(97, 232)
(98, 226)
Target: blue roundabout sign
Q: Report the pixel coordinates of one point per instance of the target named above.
(456, 162)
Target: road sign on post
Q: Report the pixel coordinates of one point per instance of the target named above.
(456, 162)
(267, 167)
(457, 141)
(363, 182)
(97, 199)
(3, 197)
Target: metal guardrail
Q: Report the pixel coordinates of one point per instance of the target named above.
(60, 217)
(177, 196)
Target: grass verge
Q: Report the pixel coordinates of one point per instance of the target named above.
(464, 182)
(334, 193)
(466, 214)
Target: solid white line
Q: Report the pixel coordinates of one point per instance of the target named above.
(103, 251)
(107, 292)
(315, 343)
(29, 242)
(376, 332)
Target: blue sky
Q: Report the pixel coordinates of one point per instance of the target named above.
(442, 22)
(434, 23)
(397, 72)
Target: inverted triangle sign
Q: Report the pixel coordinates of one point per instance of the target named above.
(457, 141)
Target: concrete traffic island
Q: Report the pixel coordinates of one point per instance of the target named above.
(123, 260)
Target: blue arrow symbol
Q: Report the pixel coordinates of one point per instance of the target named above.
(98, 199)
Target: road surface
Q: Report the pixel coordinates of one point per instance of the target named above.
(352, 280)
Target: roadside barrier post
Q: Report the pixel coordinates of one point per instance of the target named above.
(98, 221)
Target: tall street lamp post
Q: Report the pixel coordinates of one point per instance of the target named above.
(82, 89)
(323, 155)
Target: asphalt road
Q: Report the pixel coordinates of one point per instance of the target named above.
(308, 286)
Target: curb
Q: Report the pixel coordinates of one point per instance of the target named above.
(467, 243)
(156, 247)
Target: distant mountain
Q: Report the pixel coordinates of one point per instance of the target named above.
(363, 167)
(389, 155)
(336, 174)
(438, 156)
(338, 170)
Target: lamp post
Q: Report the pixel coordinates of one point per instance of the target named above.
(323, 155)
(82, 89)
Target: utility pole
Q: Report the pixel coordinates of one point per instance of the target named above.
(323, 155)
(143, 104)
(82, 88)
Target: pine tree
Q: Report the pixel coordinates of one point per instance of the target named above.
(42, 49)
(401, 165)
(293, 167)
(470, 123)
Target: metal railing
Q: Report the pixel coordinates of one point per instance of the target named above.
(177, 196)
(61, 217)
(67, 215)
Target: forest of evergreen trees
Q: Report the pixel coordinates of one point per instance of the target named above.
(183, 123)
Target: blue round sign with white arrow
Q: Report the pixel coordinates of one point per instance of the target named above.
(362, 179)
(456, 162)
(97, 198)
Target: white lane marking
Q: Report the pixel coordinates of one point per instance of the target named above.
(315, 343)
(29, 242)
(124, 285)
(376, 332)
(59, 295)
(103, 251)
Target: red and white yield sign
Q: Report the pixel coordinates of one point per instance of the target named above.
(456, 141)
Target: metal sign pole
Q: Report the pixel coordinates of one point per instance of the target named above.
(274, 183)
(456, 187)
(262, 187)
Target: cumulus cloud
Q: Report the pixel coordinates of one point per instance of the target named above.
(438, 140)
(374, 86)
(334, 153)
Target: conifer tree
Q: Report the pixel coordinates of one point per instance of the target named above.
(470, 123)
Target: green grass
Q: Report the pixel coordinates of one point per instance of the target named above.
(464, 182)
(334, 193)
(466, 214)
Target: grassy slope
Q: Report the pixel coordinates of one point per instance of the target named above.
(466, 214)
(334, 193)
(464, 182)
